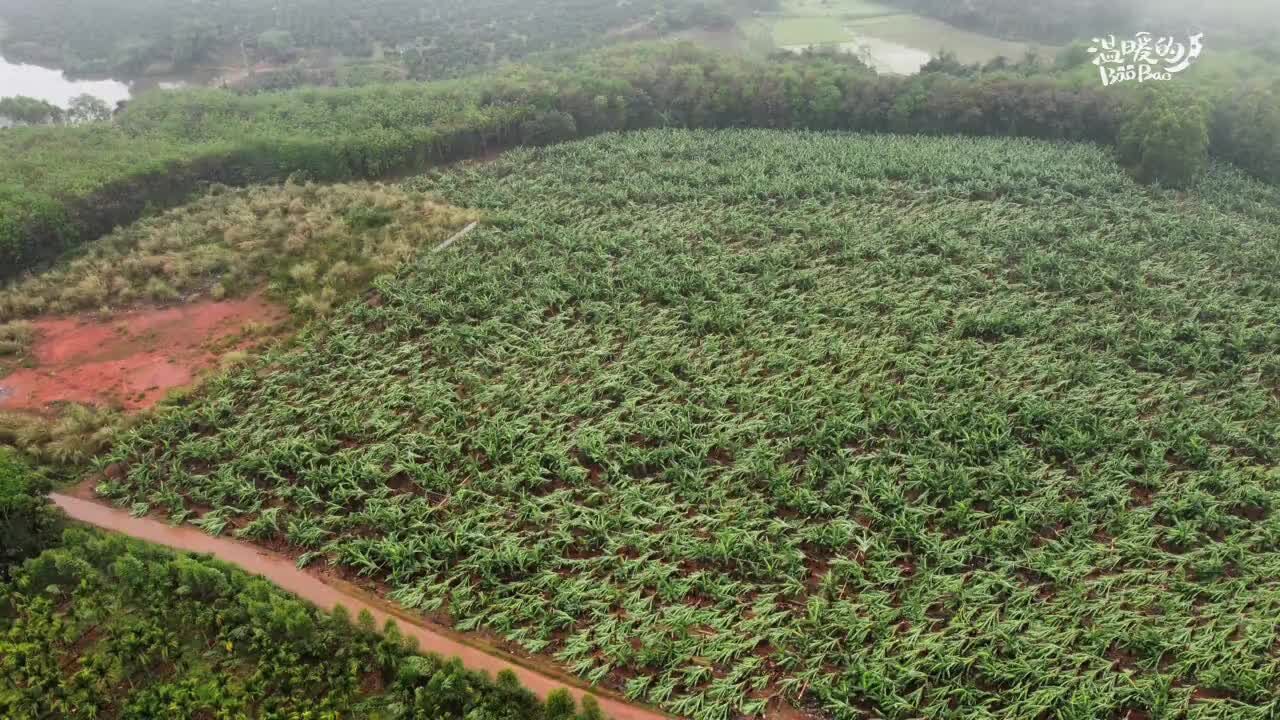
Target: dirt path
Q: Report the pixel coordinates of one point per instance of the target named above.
(282, 571)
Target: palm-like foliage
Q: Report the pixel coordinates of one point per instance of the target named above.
(943, 428)
(105, 627)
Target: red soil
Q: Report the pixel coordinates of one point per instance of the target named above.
(132, 360)
(283, 571)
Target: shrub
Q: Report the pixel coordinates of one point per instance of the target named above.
(197, 638)
(1166, 140)
(28, 523)
(548, 128)
(1246, 131)
(15, 338)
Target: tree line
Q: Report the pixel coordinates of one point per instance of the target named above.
(23, 110)
(65, 185)
(435, 39)
(100, 626)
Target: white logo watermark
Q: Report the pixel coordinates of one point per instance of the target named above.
(1143, 58)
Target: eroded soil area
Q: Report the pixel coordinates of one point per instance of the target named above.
(133, 359)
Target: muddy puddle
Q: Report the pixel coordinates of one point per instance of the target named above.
(132, 360)
(281, 570)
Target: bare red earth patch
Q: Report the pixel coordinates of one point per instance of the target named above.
(132, 360)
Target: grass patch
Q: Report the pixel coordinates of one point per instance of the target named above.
(808, 31)
(836, 8)
(819, 22)
(312, 246)
(15, 338)
(315, 246)
(883, 426)
(68, 439)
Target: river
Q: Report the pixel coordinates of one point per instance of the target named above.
(326, 594)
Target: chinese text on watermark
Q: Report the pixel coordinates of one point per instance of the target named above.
(1143, 58)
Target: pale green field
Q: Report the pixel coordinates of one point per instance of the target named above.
(838, 8)
(890, 41)
(933, 35)
(808, 31)
(819, 22)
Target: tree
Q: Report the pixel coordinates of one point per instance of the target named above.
(87, 109)
(946, 63)
(560, 705)
(29, 110)
(1166, 138)
(28, 522)
(1246, 131)
(277, 44)
(547, 128)
(192, 42)
(591, 709)
(709, 14)
(1072, 56)
(133, 55)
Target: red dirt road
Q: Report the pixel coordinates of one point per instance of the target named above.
(284, 572)
(132, 360)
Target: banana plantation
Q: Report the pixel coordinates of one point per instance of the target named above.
(741, 423)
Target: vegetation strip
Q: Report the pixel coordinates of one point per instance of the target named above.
(311, 245)
(63, 186)
(281, 571)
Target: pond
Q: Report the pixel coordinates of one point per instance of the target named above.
(900, 44)
(54, 87)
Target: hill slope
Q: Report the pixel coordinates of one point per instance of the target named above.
(873, 425)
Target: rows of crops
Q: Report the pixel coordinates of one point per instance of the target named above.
(877, 426)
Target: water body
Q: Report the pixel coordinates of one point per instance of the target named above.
(887, 56)
(52, 86)
(282, 571)
(900, 44)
